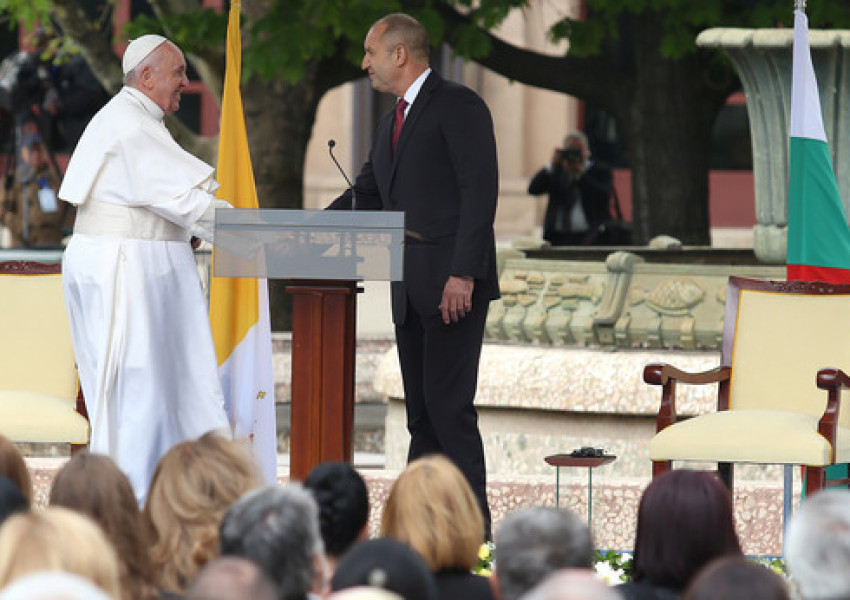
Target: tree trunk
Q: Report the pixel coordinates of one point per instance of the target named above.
(668, 126)
(279, 119)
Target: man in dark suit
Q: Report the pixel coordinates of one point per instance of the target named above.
(579, 192)
(434, 157)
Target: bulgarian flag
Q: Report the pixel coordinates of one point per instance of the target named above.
(239, 308)
(818, 235)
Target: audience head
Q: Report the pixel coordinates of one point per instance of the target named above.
(13, 466)
(57, 539)
(736, 578)
(192, 487)
(817, 545)
(533, 542)
(12, 499)
(278, 528)
(231, 578)
(685, 520)
(572, 584)
(362, 593)
(386, 564)
(53, 585)
(93, 484)
(343, 502)
(432, 509)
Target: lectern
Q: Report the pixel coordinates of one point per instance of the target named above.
(323, 255)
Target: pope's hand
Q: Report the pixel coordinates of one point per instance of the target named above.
(457, 298)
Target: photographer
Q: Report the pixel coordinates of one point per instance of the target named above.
(28, 205)
(579, 192)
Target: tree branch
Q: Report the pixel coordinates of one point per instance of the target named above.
(592, 78)
(95, 48)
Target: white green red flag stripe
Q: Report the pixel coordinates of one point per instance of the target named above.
(239, 308)
(818, 234)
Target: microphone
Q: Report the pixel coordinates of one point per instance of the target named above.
(331, 144)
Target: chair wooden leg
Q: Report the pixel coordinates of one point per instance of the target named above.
(726, 473)
(815, 480)
(659, 467)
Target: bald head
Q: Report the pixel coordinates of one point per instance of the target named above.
(395, 53)
(231, 578)
(403, 29)
(572, 584)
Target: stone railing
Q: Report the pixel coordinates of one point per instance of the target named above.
(621, 301)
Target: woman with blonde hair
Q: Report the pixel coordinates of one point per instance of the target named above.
(93, 484)
(192, 487)
(57, 539)
(432, 509)
(13, 466)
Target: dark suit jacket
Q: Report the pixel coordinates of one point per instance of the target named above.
(459, 585)
(444, 176)
(594, 187)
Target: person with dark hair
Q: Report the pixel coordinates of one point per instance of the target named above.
(736, 578)
(534, 542)
(13, 466)
(92, 484)
(231, 578)
(74, 98)
(343, 502)
(278, 529)
(29, 209)
(579, 192)
(12, 500)
(387, 564)
(685, 520)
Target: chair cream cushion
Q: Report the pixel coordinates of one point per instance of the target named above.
(36, 351)
(749, 436)
(36, 417)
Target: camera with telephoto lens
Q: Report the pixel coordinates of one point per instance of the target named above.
(570, 155)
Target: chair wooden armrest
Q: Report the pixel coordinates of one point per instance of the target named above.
(667, 375)
(832, 380)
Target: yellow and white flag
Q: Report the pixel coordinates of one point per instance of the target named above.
(239, 308)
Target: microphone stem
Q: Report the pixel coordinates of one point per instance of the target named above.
(331, 145)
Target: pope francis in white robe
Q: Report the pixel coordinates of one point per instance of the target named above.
(138, 316)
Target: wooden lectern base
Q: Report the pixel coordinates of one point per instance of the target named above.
(323, 345)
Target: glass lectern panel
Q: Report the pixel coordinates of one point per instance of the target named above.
(309, 244)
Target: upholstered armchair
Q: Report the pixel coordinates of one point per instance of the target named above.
(38, 376)
(784, 362)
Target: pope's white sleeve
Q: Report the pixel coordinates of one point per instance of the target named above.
(205, 225)
(185, 209)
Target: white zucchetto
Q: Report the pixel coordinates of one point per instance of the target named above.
(138, 49)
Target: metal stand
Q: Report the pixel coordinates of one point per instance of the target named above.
(567, 460)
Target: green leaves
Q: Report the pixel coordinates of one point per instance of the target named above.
(28, 11)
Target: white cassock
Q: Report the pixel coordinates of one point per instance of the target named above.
(138, 316)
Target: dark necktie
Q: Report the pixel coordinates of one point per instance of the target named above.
(399, 120)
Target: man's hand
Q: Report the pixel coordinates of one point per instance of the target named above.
(457, 298)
